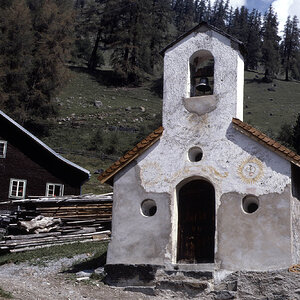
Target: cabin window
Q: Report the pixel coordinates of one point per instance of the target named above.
(54, 190)
(3, 147)
(202, 73)
(17, 188)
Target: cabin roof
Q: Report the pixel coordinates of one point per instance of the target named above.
(204, 26)
(152, 138)
(84, 173)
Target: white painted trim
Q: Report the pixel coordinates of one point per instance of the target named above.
(61, 190)
(44, 145)
(18, 182)
(3, 155)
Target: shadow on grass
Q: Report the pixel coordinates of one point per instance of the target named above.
(96, 261)
(103, 77)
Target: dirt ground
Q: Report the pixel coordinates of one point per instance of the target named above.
(51, 282)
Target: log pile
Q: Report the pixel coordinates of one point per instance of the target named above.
(68, 219)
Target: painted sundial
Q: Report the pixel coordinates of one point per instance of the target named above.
(251, 170)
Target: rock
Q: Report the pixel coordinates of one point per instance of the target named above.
(271, 89)
(113, 98)
(143, 109)
(99, 171)
(98, 103)
(84, 273)
(224, 295)
(100, 271)
(128, 108)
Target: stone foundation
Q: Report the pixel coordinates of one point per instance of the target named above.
(179, 282)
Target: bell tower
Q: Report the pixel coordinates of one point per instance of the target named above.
(203, 82)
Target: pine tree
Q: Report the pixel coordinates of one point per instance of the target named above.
(290, 45)
(270, 44)
(35, 39)
(16, 46)
(126, 24)
(253, 43)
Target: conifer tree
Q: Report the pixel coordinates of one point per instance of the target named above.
(270, 44)
(290, 45)
(35, 39)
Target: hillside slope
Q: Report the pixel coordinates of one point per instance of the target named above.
(97, 123)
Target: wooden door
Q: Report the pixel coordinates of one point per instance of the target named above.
(196, 222)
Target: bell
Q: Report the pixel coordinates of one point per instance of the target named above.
(203, 85)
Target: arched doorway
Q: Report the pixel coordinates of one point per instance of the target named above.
(196, 222)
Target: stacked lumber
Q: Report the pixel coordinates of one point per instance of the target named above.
(81, 218)
(18, 243)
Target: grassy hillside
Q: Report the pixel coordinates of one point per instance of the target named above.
(94, 137)
(269, 105)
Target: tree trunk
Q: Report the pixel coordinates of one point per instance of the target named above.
(92, 64)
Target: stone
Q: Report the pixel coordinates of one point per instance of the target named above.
(98, 103)
(143, 109)
(113, 98)
(128, 108)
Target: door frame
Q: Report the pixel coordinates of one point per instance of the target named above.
(175, 215)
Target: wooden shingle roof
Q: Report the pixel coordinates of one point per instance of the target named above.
(141, 147)
(266, 141)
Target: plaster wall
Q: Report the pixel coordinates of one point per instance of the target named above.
(296, 229)
(137, 239)
(227, 153)
(256, 241)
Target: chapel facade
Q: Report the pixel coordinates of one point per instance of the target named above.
(205, 189)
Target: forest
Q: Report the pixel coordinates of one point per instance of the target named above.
(41, 39)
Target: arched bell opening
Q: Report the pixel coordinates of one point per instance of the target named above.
(196, 222)
(202, 73)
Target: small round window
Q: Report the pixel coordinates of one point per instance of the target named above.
(250, 204)
(148, 208)
(195, 154)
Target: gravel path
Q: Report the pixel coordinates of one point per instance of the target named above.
(32, 282)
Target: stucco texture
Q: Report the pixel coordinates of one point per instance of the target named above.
(233, 163)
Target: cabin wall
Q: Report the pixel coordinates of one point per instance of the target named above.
(19, 166)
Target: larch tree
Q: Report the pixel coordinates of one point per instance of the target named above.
(270, 45)
(290, 45)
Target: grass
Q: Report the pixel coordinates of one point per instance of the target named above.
(40, 256)
(125, 116)
(269, 109)
(96, 137)
(5, 295)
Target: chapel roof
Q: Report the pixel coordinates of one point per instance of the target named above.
(204, 26)
(266, 141)
(107, 175)
(152, 138)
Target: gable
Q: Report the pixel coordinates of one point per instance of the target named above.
(39, 152)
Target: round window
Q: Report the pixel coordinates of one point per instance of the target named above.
(148, 208)
(250, 204)
(195, 154)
